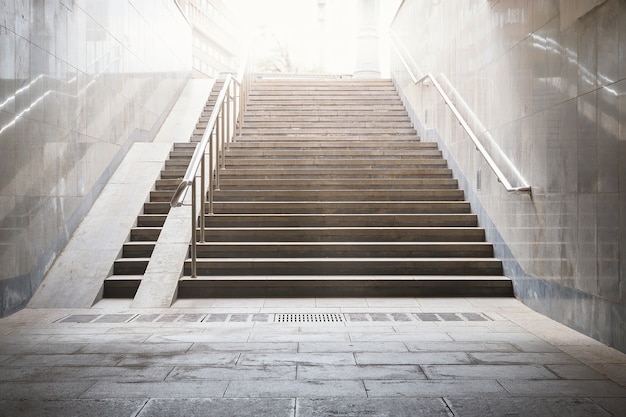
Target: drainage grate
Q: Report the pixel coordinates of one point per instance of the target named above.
(309, 318)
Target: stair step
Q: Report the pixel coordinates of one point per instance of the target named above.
(336, 183)
(130, 266)
(337, 173)
(336, 163)
(302, 144)
(334, 195)
(121, 286)
(137, 249)
(161, 207)
(151, 220)
(344, 250)
(326, 131)
(345, 234)
(345, 286)
(144, 234)
(233, 153)
(346, 266)
(341, 207)
(341, 220)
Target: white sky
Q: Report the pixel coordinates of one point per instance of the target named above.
(296, 26)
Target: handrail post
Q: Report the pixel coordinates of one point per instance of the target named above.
(194, 256)
(211, 183)
(236, 108)
(202, 199)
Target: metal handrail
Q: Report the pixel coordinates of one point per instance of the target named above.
(479, 146)
(225, 119)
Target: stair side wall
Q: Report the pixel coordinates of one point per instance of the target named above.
(540, 92)
(80, 83)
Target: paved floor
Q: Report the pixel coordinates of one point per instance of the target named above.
(305, 357)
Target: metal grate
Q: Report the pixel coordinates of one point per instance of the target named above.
(309, 318)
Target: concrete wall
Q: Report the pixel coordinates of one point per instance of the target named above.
(546, 84)
(80, 81)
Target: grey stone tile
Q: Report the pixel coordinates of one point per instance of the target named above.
(222, 373)
(219, 407)
(487, 372)
(359, 407)
(535, 346)
(525, 407)
(297, 389)
(168, 389)
(413, 358)
(220, 335)
(83, 337)
(326, 372)
(36, 348)
(460, 347)
(564, 388)
(80, 318)
(42, 390)
(297, 358)
(418, 336)
(83, 408)
(263, 336)
(223, 359)
(245, 347)
(77, 359)
(352, 347)
(524, 358)
(510, 337)
(81, 373)
(615, 406)
(575, 372)
(127, 348)
(421, 389)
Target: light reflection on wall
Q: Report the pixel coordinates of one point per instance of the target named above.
(79, 83)
(552, 99)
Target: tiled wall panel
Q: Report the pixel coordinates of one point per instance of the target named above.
(545, 91)
(80, 81)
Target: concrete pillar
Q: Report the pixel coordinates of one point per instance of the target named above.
(367, 40)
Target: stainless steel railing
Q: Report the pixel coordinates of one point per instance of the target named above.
(223, 125)
(525, 188)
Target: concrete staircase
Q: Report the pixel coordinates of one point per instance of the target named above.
(329, 192)
(135, 255)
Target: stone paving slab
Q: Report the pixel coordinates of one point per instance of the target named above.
(83, 408)
(342, 372)
(274, 359)
(242, 372)
(352, 347)
(247, 347)
(564, 388)
(474, 372)
(527, 407)
(422, 389)
(420, 358)
(170, 389)
(296, 389)
(231, 407)
(350, 407)
(84, 373)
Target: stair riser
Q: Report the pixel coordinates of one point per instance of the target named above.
(340, 207)
(266, 250)
(335, 163)
(334, 184)
(340, 195)
(347, 267)
(349, 287)
(130, 266)
(337, 220)
(344, 235)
